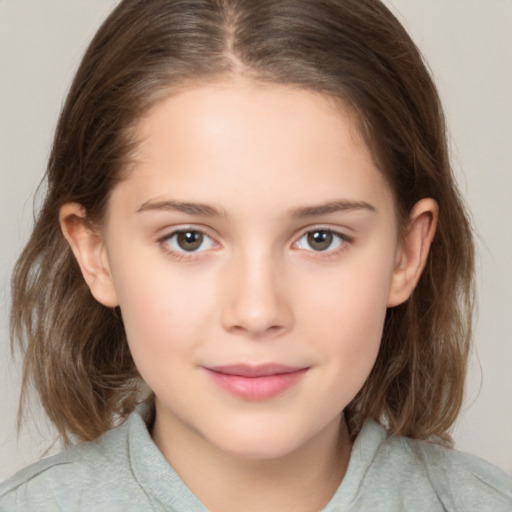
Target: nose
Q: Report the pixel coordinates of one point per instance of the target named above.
(258, 302)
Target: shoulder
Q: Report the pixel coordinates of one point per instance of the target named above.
(463, 481)
(457, 481)
(84, 477)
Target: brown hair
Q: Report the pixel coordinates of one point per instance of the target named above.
(76, 355)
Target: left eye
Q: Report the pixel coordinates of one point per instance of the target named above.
(320, 240)
(189, 241)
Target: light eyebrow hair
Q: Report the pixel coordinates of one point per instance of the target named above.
(332, 207)
(199, 209)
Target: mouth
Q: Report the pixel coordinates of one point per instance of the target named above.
(256, 382)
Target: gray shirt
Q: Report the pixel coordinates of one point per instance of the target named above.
(124, 471)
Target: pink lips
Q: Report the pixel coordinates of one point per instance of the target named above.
(255, 382)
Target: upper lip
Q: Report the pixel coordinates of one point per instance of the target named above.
(260, 370)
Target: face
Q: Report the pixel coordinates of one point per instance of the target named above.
(252, 251)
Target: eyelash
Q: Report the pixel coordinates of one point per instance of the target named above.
(184, 255)
(343, 241)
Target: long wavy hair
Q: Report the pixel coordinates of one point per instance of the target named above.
(75, 351)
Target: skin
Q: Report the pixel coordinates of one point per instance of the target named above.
(265, 160)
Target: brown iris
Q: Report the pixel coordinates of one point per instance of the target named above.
(320, 240)
(189, 240)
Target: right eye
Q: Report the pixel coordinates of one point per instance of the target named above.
(321, 240)
(188, 241)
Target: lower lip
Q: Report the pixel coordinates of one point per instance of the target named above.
(257, 388)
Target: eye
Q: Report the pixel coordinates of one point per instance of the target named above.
(189, 240)
(321, 240)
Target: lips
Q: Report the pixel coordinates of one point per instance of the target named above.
(260, 382)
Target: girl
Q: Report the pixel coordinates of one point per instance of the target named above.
(250, 284)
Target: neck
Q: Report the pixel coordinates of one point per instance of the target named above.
(301, 481)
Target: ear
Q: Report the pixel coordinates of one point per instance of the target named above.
(89, 250)
(413, 250)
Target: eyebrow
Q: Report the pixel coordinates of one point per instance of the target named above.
(199, 209)
(204, 210)
(332, 207)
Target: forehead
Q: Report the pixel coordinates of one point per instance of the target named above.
(244, 140)
(210, 107)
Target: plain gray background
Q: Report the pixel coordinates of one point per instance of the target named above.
(468, 44)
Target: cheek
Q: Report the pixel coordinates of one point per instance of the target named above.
(350, 345)
(353, 332)
(348, 320)
(163, 314)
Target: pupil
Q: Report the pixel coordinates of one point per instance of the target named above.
(320, 240)
(190, 240)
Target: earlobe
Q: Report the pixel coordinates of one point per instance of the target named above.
(89, 250)
(413, 251)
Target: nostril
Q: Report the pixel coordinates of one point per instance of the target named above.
(257, 301)
(256, 328)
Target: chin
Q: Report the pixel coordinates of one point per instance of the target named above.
(260, 449)
(261, 441)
